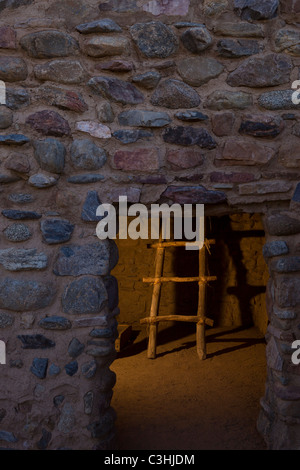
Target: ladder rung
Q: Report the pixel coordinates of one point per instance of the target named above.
(199, 279)
(182, 318)
(176, 243)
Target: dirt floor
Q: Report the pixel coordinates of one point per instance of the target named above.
(177, 402)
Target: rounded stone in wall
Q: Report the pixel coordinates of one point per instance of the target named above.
(154, 39)
(17, 233)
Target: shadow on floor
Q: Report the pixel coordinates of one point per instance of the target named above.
(178, 332)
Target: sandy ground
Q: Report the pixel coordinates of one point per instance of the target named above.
(177, 402)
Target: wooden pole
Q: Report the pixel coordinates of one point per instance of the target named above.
(159, 261)
(182, 318)
(198, 279)
(200, 332)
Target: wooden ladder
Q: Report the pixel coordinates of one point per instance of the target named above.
(200, 319)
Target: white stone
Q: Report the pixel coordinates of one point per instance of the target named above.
(94, 129)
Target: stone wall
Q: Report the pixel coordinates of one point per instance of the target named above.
(159, 100)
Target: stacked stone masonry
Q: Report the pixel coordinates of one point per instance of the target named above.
(181, 101)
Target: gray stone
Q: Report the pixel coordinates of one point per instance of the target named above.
(16, 99)
(75, 348)
(105, 25)
(95, 259)
(23, 259)
(287, 294)
(55, 323)
(148, 80)
(8, 436)
(281, 224)
(187, 136)
(6, 320)
(92, 202)
(238, 48)
(21, 198)
(85, 155)
(256, 9)
(6, 179)
(191, 116)
(13, 69)
(100, 429)
(258, 72)
(196, 39)
(6, 117)
(13, 4)
(194, 195)
(200, 70)
(128, 136)
(49, 44)
(14, 139)
(240, 29)
(56, 231)
(88, 370)
(36, 342)
(17, 233)
(50, 155)
(62, 71)
(25, 295)
(88, 401)
(116, 90)
(39, 367)
(154, 39)
(286, 265)
(42, 444)
(187, 24)
(275, 248)
(101, 348)
(105, 112)
(86, 295)
(125, 6)
(54, 370)
(296, 195)
(277, 99)
(42, 181)
(101, 333)
(175, 94)
(103, 46)
(71, 368)
(143, 118)
(288, 41)
(67, 419)
(15, 214)
(86, 178)
(219, 100)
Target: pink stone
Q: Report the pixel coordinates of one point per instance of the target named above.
(94, 129)
(118, 65)
(49, 123)
(132, 194)
(222, 124)
(185, 158)
(241, 152)
(142, 159)
(167, 7)
(7, 38)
